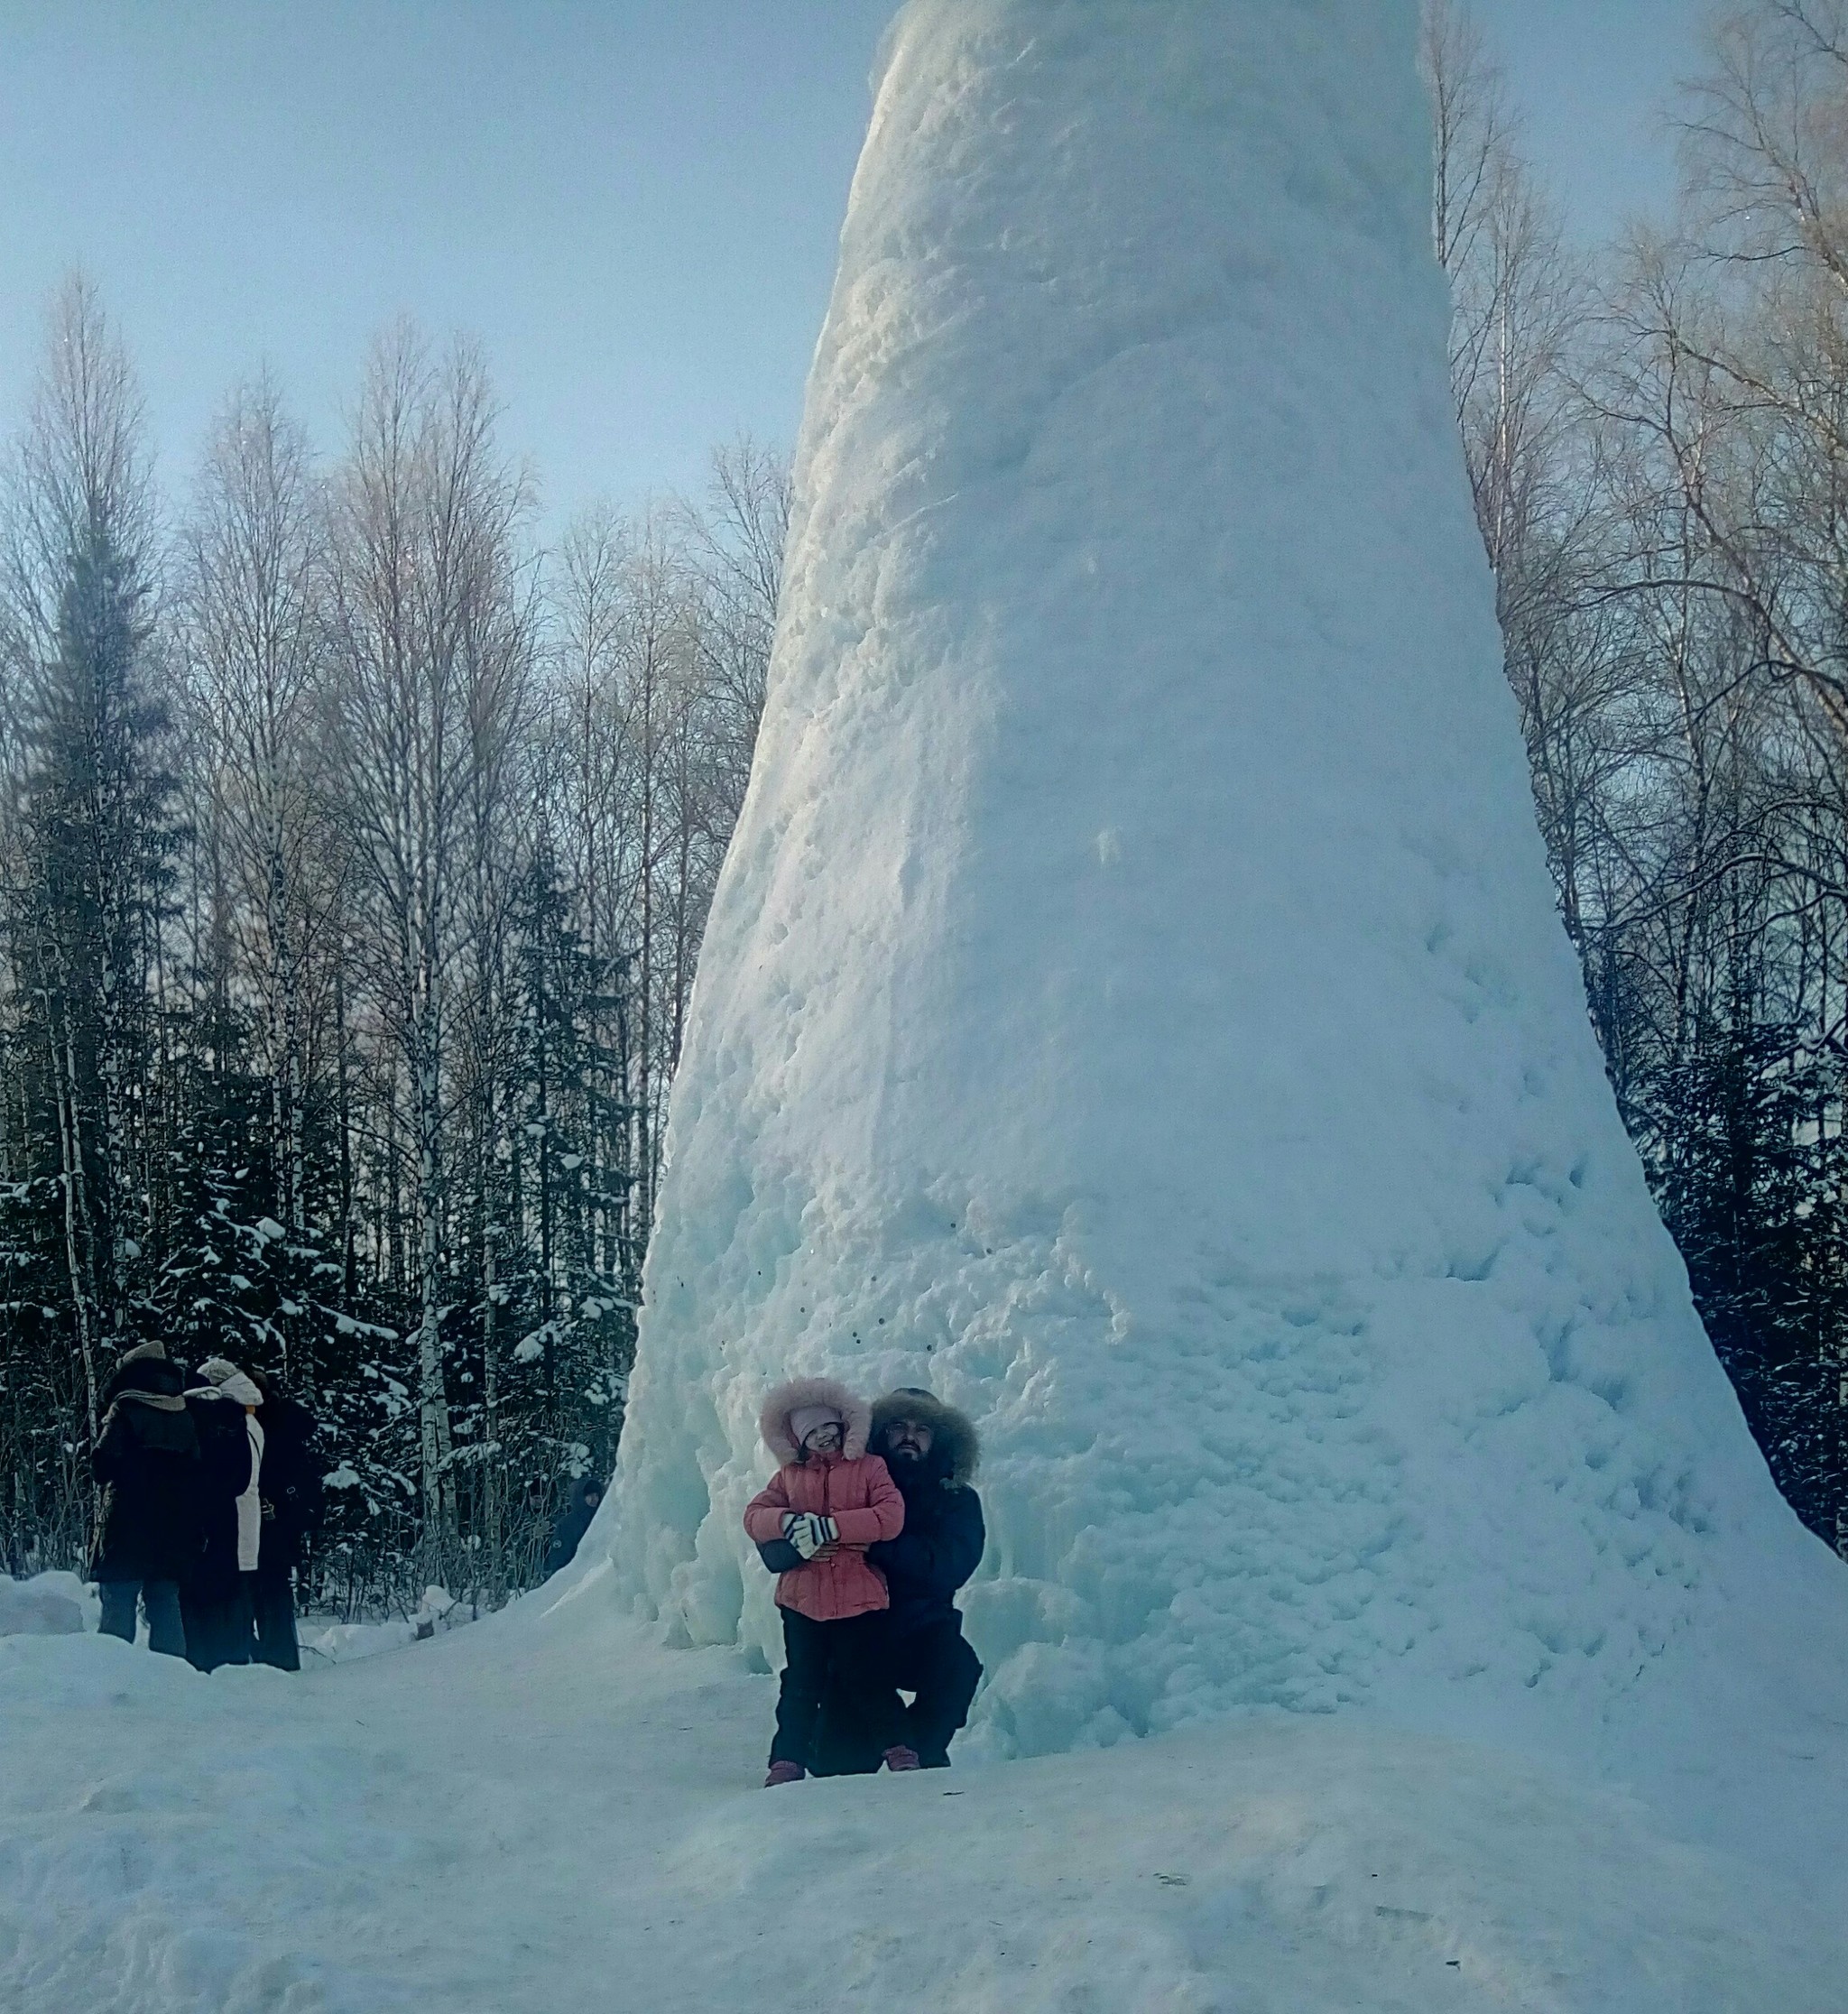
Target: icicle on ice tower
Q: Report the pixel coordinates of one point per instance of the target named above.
(1134, 1005)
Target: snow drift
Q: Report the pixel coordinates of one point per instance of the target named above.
(546, 1812)
(48, 1604)
(1134, 1005)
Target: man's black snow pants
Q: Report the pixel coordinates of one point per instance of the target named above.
(844, 1661)
(272, 1607)
(220, 1629)
(936, 1664)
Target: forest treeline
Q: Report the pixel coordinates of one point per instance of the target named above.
(354, 856)
(1657, 435)
(355, 847)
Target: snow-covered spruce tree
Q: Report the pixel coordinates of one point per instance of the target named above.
(94, 844)
(1751, 1187)
(233, 1280)
(570, 1181)
(44, 1493)
(537, 1334)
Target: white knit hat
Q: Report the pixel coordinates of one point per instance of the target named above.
(805, 1419)
(232, 1381)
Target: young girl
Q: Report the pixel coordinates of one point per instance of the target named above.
(828, 1500)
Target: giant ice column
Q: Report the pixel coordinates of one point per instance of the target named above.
(1134, 1005)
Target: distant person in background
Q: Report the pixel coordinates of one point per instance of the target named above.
(567, 1534)
(147, 1460)
(930, 1450)
(291, 1497)
(216, 1603)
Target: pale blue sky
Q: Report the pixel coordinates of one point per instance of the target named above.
(1594, 79)
(632, 203)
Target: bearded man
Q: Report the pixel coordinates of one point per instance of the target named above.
(931, 1451)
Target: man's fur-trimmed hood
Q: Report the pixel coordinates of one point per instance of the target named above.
(773, 1421)
(956, 1447)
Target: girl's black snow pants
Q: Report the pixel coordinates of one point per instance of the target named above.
(846, 1660)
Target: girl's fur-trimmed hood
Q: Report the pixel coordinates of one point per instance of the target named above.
(774, 1420)
(956, 1445)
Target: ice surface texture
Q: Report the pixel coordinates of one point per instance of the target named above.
(1134, 1005)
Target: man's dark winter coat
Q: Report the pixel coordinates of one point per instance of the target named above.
(215, 1598)
(567, 1534)
(290, 1482)
(224, 1447)
(940, 1546)
(944, 1536)
(290, 1491)
(147, 1459)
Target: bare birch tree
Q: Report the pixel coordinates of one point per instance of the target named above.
(252, 554)
(430, 665)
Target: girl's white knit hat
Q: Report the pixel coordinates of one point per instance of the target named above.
(805, 1419)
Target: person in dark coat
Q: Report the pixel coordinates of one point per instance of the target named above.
(931, 1451)
(215, 1599)
(567, 1534)
(290, 1495)
(147, 1460)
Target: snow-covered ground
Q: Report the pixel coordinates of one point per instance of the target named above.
(549, 1811)
(325, 1642)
